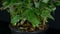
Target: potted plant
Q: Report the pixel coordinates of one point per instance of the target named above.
(29, 16)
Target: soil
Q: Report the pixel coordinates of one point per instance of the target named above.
(28, 27)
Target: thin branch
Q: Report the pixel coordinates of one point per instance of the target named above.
(28, 4)
(44, 21)
(11, 4)
(23, 20)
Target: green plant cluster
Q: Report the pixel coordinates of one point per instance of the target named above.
(35, 11)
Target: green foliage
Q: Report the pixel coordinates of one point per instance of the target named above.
(29, 14)
(25, 9)
(15, 19)
(58, 3)
(45, 1)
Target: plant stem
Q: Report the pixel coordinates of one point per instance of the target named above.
(34, 1)
(11, 4)
(44, 20)
(28, 4)
(23, 20)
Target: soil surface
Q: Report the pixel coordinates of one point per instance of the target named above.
(28, 27)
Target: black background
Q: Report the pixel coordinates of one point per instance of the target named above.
(54, 26)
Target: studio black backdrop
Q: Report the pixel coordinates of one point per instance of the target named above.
(54, 26)
(4, 22)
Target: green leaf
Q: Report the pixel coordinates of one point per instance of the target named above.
(37, 4)
(51, 17)
(45, 13)
(15, 20)
(58, 3)
(31, 17)
(45, 1)
(52, 7)
(35, 21)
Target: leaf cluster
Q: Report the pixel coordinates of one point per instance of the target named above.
(35, 11)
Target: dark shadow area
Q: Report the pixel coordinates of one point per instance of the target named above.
(4, 22)
(54, 26)
(52, 31)
(4, 28)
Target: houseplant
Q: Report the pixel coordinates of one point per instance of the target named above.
(29, 15)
